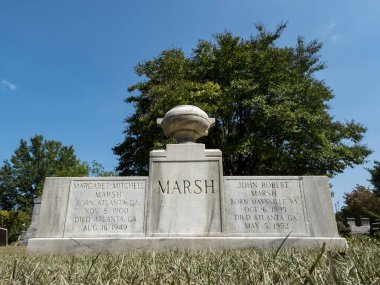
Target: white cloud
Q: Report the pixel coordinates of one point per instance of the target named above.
(331, 26)
(334, 38)
(326, 30)
(328, 33)
(5, 84)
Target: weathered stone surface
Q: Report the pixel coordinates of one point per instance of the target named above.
(179, 219)
(364, 229)
(279, 205)
(92, 207)
(3, 237)
(186, 123)
(80, 245)
(266, 206)
(180, 214)
(105, 207)
(185, 185)
(31, 232)
(53, 207)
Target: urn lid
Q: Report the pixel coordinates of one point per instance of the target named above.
(186, 123)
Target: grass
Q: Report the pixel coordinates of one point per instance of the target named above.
(359, 265)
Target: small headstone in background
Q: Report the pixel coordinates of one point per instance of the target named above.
(364, 229)
(3, 237)
(375, 227)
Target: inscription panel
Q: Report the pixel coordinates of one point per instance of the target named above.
(265, 206)
(185, 198)
(106, 207)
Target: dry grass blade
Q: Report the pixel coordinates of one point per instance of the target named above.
(281, 245)
(31, 273)
(71, 268)
(358, 272)
(187, 273)
(13, 276)
(307, 278)
(312, 268)
(92, 265)
(121, 267)
(332, 269)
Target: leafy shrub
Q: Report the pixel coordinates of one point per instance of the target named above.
(341, 222)
(15, 222)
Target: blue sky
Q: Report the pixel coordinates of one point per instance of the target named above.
(65, 65)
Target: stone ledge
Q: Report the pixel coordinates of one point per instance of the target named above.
(86, 245)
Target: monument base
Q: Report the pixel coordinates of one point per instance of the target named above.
(87, 245)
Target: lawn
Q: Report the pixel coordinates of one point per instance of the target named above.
(360, 264)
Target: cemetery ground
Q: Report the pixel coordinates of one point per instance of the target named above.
(360, 264)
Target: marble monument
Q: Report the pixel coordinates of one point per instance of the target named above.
(185, 203)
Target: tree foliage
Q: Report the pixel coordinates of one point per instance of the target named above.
(22, 177)
(272, 116)
(375, 178)
(15, 222)
(98, 170)
(361, 203)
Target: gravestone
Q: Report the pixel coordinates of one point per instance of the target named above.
(185, 203)
(3, 237)
(364, 229)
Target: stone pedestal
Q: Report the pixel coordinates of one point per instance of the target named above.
(186, 186)
(128, 244)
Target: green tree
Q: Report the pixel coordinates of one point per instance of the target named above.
(15, 222)
(98, 170)
(22, 177)
(272, 115)
(375, 178)
(361, 203)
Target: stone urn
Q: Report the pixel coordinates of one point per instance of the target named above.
(186, 123)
